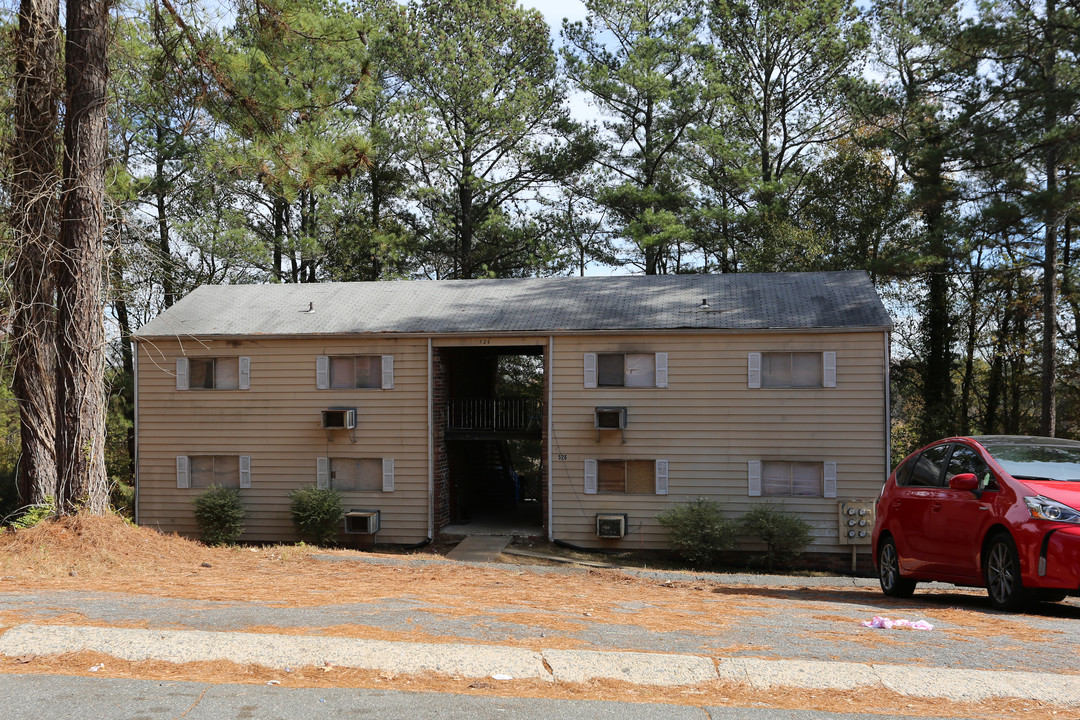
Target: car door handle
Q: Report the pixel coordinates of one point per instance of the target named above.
(935, 506)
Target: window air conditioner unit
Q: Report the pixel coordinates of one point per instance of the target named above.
(339, 418)
(362, 522)
(611, 526)
(610, 418)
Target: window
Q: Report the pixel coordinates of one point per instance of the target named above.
(207, 470)
(965, 460)
(903, 473)
(791, 478)
(926, 470)
(217, 373)
(356, 475)
(791, 370)
(795, 370)
(630, 477)
(200, 471)
(615, 370)
(360, 371)
(354, 371)
(626, 370)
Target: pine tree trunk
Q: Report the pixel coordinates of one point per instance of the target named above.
(995, 389)
(34, 215)
(968, 384)
(80, 437)
(938, 411)
(1048, 424)
(165, 258)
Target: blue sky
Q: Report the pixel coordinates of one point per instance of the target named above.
(555, 10)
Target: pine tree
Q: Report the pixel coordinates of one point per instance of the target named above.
(641, 64)
(485, 110)
(1032, 49)
(80, 344)
(915, 109)
(34, 187)
(782, 65)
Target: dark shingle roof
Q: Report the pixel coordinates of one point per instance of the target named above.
(543, 305)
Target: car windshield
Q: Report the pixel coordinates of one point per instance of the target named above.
(1035, 461)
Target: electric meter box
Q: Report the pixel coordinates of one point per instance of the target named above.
(856, 521)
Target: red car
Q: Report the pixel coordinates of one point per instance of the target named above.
(997, 511)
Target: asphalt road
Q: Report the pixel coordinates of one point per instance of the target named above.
(45, 697)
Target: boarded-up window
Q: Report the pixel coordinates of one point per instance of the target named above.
(356, 474)
(791, 369)
(626, 370)
(792, 478)
(640, 477)
(626, 476)
(207, 470)
(356, 371)
(214, 373)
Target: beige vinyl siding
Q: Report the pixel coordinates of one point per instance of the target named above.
(708, 424)
(278, 423)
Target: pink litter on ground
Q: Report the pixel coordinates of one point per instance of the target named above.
(887, 624)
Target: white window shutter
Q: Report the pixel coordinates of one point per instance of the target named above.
(388, 474)
(183, 477)
(590, 370)
(753, 478)
(661, 370)
(753, 370)
(322, 372)
(322, 473)
(661, 477)
(245, 471)
(181, 373)
(830, 480)
(387, 372)
(590, 477)
(828, 369)
(244, 383)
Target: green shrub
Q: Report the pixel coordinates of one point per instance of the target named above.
(699, 530)
(33, 515)
(220, 515)
(316, 513)
(784, 534)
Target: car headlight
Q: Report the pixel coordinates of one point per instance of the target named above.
(1043, 508)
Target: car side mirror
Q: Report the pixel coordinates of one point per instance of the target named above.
(964, 481)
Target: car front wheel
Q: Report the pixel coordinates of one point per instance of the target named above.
(889, 572)
(1002, 574)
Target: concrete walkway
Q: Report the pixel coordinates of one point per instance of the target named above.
(503, 663)
(479, 548)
